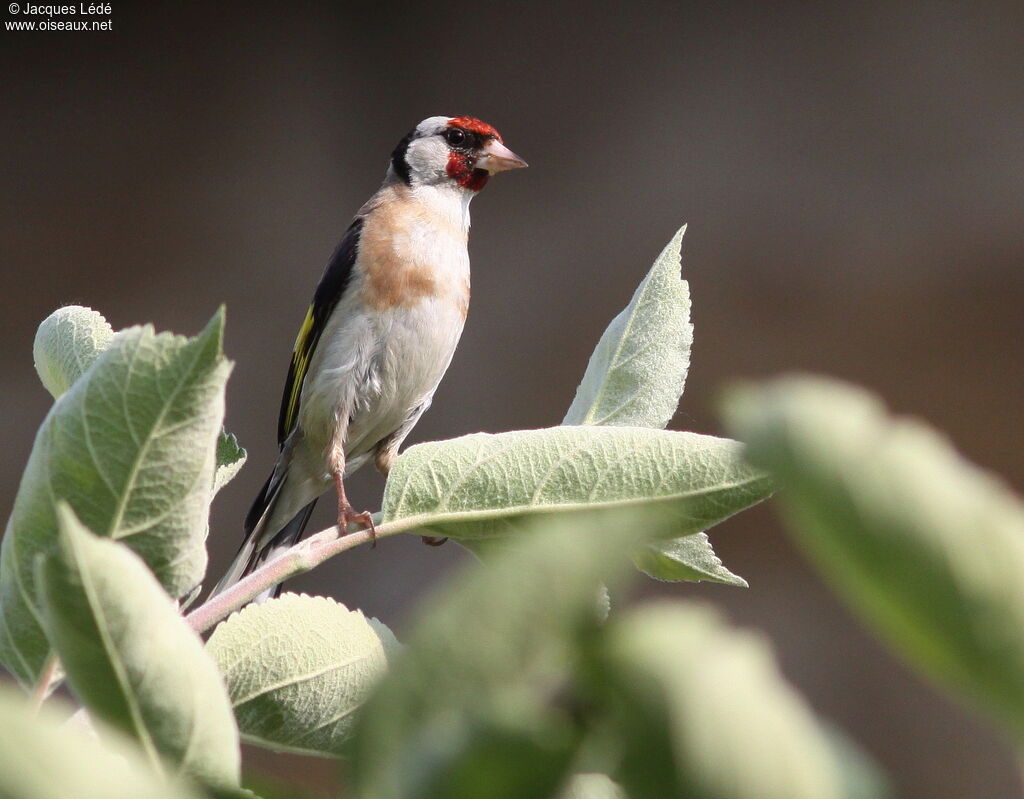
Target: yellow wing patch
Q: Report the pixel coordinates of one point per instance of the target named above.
(300, 363)
(329, 291)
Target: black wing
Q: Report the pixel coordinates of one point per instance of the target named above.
(332, 285)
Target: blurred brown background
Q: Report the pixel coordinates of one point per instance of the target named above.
(853, 179)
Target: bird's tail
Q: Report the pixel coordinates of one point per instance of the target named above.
(262, 543)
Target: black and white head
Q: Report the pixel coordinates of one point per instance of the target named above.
(461, 151)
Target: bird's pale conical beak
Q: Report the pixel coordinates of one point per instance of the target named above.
(496, 157)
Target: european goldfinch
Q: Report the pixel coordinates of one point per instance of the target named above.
(380, 332)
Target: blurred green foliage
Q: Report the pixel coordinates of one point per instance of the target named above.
(515, 681)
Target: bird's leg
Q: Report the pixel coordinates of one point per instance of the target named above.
(346, 513)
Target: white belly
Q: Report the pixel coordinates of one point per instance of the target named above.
(372, 368)
(415, 347)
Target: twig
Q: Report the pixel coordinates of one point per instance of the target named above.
(302, 557)
(46, 680)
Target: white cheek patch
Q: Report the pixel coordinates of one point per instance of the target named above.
(427, 159)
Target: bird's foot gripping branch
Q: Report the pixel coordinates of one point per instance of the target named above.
(513, 674)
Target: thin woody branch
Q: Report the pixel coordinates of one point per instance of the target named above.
(304, 556)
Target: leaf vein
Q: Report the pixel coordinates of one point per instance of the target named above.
(295, 680)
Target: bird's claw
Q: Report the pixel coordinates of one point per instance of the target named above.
(348, 515)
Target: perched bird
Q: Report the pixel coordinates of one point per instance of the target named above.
(380, 332)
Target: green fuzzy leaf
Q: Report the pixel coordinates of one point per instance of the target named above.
(297, 669)
(638, 370)
(230, 460)
(214, 792)
(689, 558)
(483, 687)
(635, 377)
(592, 786)
(482, 485)
(266, 786)
(703, 711)
(926, 546)
(42, 758)
(131, 447)
(859, 775)
(66, 344)
(131, 658)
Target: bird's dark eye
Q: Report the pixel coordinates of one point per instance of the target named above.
(455, 137)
